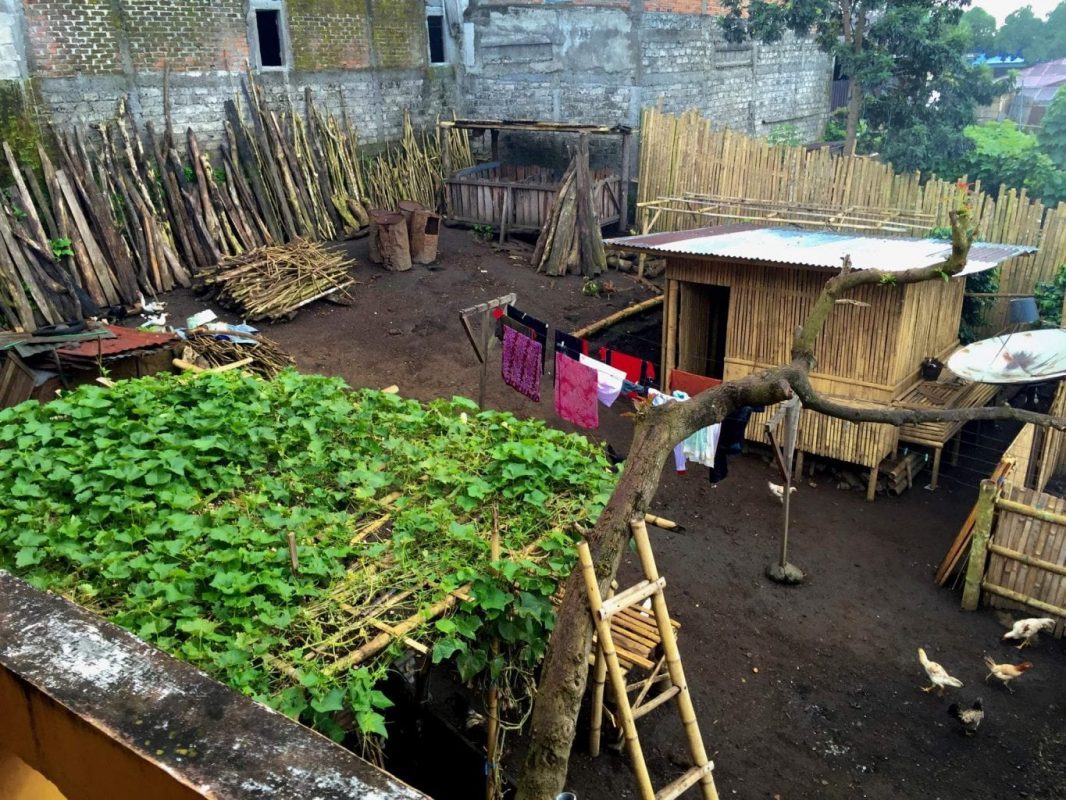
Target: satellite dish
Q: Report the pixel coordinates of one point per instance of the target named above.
(1028, 357)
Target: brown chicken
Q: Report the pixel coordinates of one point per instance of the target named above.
(1006, 672)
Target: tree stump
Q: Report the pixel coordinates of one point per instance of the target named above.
(394, 246)
(425, 233)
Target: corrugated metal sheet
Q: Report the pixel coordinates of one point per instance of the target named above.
(826, 249)
(125, 340)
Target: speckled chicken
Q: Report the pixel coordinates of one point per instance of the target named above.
(970, 718)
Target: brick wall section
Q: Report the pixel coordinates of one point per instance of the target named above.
(186, 34)
(329, 34)
(69, 38)
(399, 32)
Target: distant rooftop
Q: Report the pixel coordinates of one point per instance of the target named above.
(806, 248)
(997, 60)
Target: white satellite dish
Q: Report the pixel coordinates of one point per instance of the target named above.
(1028, 357)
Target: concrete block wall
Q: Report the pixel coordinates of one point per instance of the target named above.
(596, 61)
(84, 55)
(603, 61)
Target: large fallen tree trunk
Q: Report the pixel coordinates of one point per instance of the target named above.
(657, 430)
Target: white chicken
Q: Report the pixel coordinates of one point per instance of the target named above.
(937, 675)
(778, 491)
(1028, 629)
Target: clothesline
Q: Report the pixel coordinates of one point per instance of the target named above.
(581, 379)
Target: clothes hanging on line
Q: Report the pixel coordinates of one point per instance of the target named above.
(660, 399)
(575, 392)
(609, 380)
(571, 345)
(522, 363)
(537, 330)
(730, 441)
(637, 370)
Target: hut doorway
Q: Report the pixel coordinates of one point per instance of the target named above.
(704, 314)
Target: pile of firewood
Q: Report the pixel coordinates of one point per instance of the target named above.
(273, 282)
(125, 212)
(267, 357)
(571, 239)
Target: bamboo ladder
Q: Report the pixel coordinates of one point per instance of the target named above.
(602, 612)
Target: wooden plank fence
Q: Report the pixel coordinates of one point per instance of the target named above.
(687, 164)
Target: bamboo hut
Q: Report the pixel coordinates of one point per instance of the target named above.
(735, 295)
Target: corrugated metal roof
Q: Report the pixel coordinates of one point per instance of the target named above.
(125, 340)
(815, 248)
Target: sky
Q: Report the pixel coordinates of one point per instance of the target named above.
(1001, 8)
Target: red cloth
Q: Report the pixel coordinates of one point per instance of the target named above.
(691, 383)
(637, 370)
(575, 392)
(520, 365)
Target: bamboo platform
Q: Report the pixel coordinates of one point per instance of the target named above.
(946, 393)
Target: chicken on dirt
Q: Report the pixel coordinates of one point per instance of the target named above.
(1006, 672)
(970, 718)
(1029, 629)
(938, 676)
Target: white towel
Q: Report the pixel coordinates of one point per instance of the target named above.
(608, 380)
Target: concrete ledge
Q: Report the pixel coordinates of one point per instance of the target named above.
(105, 716)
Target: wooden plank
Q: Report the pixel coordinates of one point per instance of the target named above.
(94, 267)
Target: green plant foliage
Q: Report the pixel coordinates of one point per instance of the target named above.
(483, 233)
(1053, 129)
(61, 248)
(165, 504)
(1049, 299)
(787, 135)
(1002, 154)
(188, 173)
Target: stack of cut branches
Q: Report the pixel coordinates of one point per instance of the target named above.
(571, 238)
(273, 282)
(268, 359)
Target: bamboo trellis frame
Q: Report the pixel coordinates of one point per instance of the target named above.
(684, 158)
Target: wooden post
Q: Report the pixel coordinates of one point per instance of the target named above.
(975, 571)
(623, 186)
(495, 134)
(673, 656)
(493, 704)
(670, 333)
(871, 484)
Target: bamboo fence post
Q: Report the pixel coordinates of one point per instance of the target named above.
(610, 655)
(975, 571)
(493, 705)
(673, 658)
(618, 316)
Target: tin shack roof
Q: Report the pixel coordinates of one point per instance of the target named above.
(793, 247)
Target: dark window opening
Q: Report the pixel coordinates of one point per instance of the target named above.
(268, 28)
(435, 27)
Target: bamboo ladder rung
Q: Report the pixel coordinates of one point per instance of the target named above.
(655, 702)
(631, 596)
(682, 784)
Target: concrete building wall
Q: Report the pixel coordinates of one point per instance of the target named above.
(84, 55)
(603, 61)
(595, 61)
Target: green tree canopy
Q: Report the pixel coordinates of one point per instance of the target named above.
(981, 27)
(1053, 129)
(1021, 30)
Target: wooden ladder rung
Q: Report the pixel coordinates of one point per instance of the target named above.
(655, 702)
(690, 778)
(631, 596)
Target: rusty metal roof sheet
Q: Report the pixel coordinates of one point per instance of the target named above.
(125, 340)
(807, 248)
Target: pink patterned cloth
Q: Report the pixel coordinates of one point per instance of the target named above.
(522, 364)
(575, 392)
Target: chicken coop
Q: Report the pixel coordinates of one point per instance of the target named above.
(518, 198)
(735, 295)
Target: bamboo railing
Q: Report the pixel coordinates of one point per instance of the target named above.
(688, 166)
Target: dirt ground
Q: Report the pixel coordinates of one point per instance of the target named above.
(804, 692)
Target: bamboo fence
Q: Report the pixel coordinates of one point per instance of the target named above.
(118, 212)
(1027, 554)
(694, 175)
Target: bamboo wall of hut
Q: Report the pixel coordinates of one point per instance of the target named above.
(692, 175)
(869, 352)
